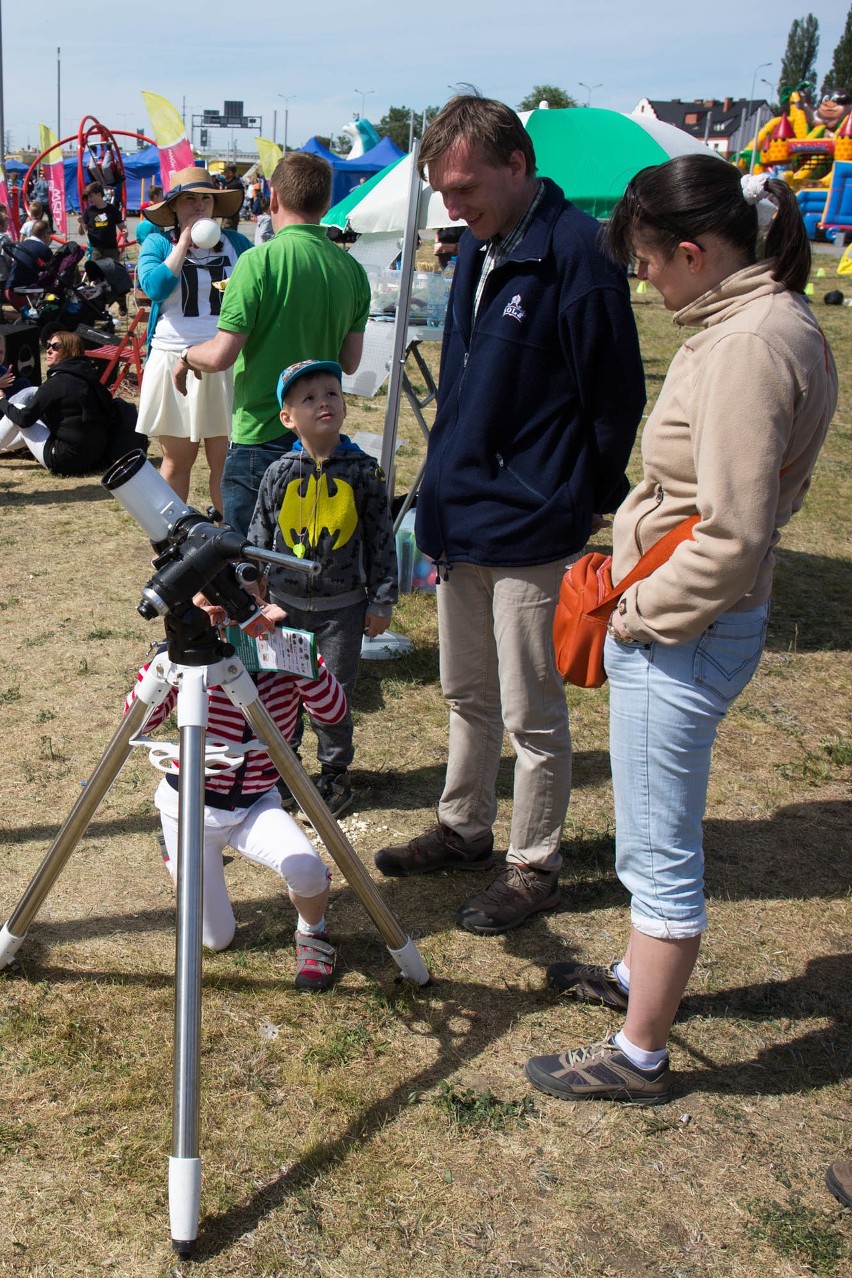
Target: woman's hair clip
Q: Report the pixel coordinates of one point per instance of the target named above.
(754, 187)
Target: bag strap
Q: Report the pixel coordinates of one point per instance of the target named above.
(652, 559)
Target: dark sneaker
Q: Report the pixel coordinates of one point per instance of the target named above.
(589, 983)
(507, 902)
(336, 792)
(288, 799)
(315, 957)
(838, 1181)
(600, 1072)
(439, 848)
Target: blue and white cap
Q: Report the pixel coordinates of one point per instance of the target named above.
(302, 369)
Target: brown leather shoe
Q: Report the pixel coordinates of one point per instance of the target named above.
(439, 848)
(518, 892)
(838, 1181)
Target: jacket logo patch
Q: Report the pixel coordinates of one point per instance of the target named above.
(514, 309)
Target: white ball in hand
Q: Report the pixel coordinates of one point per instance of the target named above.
(205, 233)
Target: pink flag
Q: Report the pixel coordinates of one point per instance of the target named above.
(6, 201)
(54, 172)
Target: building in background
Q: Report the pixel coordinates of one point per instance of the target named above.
(727, 126)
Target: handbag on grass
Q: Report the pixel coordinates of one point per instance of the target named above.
(586, 599)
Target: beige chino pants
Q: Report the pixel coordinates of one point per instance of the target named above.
(495, 627)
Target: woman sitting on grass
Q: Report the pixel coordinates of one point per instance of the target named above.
(67, 423)
(734, 437)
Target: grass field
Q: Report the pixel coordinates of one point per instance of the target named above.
(383, 1131)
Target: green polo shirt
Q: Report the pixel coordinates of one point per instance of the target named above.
(296, 297)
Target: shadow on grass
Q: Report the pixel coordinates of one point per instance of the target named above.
(419, 787)
(454, 1009)
(66, 492)
(418, 669)
(820, 1058)
(141, 823)
(810, 603)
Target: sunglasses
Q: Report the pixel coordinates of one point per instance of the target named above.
(53, 346)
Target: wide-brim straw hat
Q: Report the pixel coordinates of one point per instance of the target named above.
(225, 203)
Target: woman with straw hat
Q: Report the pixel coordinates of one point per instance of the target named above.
(183, 275)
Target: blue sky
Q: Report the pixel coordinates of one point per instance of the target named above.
(327, 63)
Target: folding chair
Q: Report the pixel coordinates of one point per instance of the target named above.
(123, 356)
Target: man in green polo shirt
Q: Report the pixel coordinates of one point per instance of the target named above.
(298, 296)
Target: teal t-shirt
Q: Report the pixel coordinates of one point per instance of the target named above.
(297, 297)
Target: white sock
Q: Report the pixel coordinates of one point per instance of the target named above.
(645, 1060)
(313, 929)
(622, 975)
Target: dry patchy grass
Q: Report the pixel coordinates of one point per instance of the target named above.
(386, 1131)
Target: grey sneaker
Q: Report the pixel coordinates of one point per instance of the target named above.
(600, 1072)
(518, 892)
(439, 848)
(336, 792)
(315, 957)
(589, 983)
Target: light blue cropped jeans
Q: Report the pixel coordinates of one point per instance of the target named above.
(666, 702)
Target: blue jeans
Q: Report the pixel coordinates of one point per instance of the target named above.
(245, 466)
(666, 702)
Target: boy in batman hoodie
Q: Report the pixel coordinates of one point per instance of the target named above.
(327, 500)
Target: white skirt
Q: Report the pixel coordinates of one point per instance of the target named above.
(204, 412)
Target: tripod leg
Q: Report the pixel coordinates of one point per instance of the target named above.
(237, 684)
(185, 1163)
(72, 831)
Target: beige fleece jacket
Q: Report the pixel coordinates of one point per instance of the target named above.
(750, 394)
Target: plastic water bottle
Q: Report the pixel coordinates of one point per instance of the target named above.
(436, 301)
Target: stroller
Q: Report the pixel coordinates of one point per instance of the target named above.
(57, 298)
(106, 282)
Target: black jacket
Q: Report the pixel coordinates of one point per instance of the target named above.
(78, 412)
(29, 259)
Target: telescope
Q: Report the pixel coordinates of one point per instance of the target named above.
(197, 556)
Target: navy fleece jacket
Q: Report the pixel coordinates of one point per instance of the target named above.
(539, 400)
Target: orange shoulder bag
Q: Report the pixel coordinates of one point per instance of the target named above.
(586, 599)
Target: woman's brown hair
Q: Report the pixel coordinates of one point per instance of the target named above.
(696, 195)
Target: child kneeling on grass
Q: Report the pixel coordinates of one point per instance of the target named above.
(327, 500)
(243, 809)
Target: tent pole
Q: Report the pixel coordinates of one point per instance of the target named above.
(400, 333)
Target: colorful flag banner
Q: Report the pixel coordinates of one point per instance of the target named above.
(269, 153)
(54, 172)
(170, 136)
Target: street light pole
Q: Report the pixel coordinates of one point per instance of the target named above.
(748, 112)
(588, 88)
(364, 93)
(285, 98)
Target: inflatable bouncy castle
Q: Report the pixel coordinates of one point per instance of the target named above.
(812, 150)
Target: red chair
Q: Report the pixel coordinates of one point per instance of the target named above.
(125, 355)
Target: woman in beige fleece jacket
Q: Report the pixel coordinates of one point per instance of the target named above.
(734, 437)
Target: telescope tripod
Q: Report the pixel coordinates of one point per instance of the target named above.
(197, 660)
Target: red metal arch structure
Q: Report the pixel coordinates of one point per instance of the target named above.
(98, 143)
